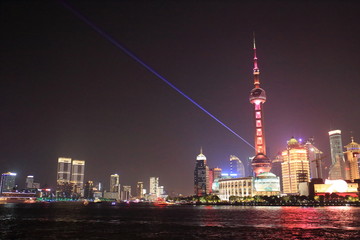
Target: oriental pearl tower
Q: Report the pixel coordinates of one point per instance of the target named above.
(261, 163)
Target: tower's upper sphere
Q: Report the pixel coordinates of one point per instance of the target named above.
(257, 94)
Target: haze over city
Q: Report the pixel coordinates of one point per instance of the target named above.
(68, 92)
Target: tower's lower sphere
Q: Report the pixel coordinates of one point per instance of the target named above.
(257, 94)
(260, 164)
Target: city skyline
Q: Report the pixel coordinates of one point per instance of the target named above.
(67, 92)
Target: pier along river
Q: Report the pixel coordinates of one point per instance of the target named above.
(104, 221)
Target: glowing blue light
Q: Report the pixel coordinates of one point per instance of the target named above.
(133, 56)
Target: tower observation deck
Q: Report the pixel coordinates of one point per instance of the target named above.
(261, 163)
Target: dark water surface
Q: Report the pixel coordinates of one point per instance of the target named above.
(101, 221)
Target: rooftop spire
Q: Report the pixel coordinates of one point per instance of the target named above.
(256, 69)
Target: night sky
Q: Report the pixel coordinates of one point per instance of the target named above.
(68, 92)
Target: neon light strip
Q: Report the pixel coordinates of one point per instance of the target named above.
(133, 56)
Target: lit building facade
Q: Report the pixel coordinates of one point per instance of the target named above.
(64, 170)
(337, 168)
(295, 167)
(7, 182)
(260, 163)
(340, 187)
(114, 183)
(77, 175)
(236, 166)
(315, 159)
(352, 156)
(154, 186)
(140, 190)
(89, 190)
(267, 184)
(240, 187)
(29, 182)
(216, 175)
(201, 176)
(126, 193)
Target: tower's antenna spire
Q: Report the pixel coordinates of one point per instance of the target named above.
(254, 40)
(201, 150)
(256, 69)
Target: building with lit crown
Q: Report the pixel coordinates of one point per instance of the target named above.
(295, 167)
(7, 182)
(89, 190)
(126, 194)
(77, 176)
(114, 183)
(29, 182)
(63, 170)
(352, 156)
(201, 176)
(154, 186)
(337, 168)
(140, 190)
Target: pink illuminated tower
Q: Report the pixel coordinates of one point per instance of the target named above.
(261, 163)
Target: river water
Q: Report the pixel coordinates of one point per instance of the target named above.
(103, 221)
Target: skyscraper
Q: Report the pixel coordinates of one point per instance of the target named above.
(352, 156)
(217, 173)
(236, 166)
(295, 167)
(154, 186)
(315, 159)
(126, 193)
(337, 168)
(63, 170)
(140, 190)
(114, 183)
(7, 182)
(77, 176)
(29, 183)
(260, 163)
(201, 176)
(89, 190)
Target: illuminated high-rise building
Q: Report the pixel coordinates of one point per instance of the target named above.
(337, 168)
(154, 186)
(77, 175)
(236, 166)
(140, 190)
(29, 182)
(201, 176)
(126, 193)
(7, 183)
(260, 163)
(89, 190)
(63, 170)
(295, 167)
(352, 156)
(315, 159)
(217, 173)
(114, 183)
